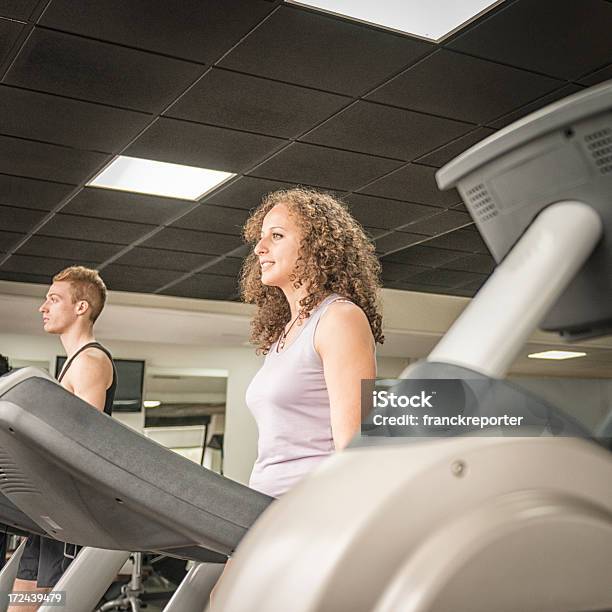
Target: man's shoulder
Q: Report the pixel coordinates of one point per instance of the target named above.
(93, 362)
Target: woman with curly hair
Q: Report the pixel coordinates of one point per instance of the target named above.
(314, 278)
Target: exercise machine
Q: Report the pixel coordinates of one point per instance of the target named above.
(84, 478)
(479, 522)
(474, 523)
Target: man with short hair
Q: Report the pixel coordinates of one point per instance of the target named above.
(72, 304)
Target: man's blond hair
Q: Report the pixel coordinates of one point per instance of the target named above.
(86, 285)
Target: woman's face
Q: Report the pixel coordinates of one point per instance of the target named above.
(278, 248)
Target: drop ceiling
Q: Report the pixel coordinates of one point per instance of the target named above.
(278, 94)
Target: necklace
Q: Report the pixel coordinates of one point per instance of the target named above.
(283, 337)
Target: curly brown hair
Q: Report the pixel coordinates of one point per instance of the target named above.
(335, 256)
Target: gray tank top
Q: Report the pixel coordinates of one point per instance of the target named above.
(289, 400)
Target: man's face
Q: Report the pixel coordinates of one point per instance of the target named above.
(58, 310)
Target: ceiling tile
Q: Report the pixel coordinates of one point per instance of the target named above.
(246, 192)
(99, 72)
(443, 278)
(67, 122)
(17, 9)
(9, 239)
(125, 206)
(9, 32)
(214, 219)
(421, 255)
(374, 232)
(324, 52)
(204, 286)
(45, 161)
(460, 240)
(441, 222)
(161, 259)
(461, 207)
(382, 130)
(229, 266)
(65, 248)
(191, 241)
(559, 94)
(461, 292)
(315, 165)
(599, 76)
(442, 155)
(46, 266)
(189, 29)
(562, 38)
(396, 271)
(394, 241)
(484, 264)
(463, 87)
(193, 144)
(21, 277)
(263, 106)
(385, 214)
(96, 230)
(408, 285)
(474, 285)
(30, 193)
(20, 219)
(414, 183)
(139, 280)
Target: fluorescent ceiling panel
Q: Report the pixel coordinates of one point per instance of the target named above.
(429, 19)
(158, 178)
(556, 355)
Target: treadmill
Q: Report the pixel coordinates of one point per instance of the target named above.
(84, 478)
(480, 522)
(475, 523)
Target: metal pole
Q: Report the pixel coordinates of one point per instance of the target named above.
(193, 593)
(87, 578)
(496, 324)
(8, 575)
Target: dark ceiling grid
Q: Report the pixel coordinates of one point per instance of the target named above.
(209, 264)
(23, 14)
(295, 142)
(464, 88)
(78, 188)
(597, 76)
(17, 9)
(81, 125)
(189, 31)
(566, 90)
(468, 252)
(337, 55)
(535, 35)
(10, 32)
(214, 101)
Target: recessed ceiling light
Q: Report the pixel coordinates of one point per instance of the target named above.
(151, 403)
(556, 355)
(158, 178)
(431, 19)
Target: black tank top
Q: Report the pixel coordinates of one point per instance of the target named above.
(110, 392)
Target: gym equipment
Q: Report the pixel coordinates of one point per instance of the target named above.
(84, 478)
(474, 523)
(464, 524)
